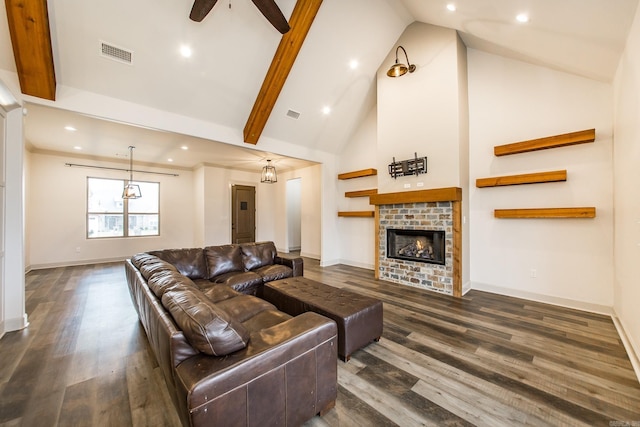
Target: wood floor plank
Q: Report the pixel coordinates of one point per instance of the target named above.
(384, 402)
(482, 359)
(459, 392)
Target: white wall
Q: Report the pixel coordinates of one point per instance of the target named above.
(217, 204)
(311, 239)
(198, 207)
(419, 112)
(511, 101)
(358, 234)
(13, 283)
(195, 211)
(627, 198)
(57, 213)
(463, 135)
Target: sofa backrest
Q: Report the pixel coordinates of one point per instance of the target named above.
(223, 259)
(212, 261)
(256, 255)
(189, 262)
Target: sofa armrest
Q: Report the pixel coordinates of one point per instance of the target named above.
(296, 264)
(287, 371)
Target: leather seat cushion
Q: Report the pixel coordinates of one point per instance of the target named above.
(239, 281)
(274, 272)
(265, 320)
(243, 307)
(207, 327)
(217, 292)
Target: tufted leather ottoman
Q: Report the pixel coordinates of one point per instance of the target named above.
(359, 318)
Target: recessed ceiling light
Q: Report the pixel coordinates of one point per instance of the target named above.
(353, 64)
(169, 160)
(184, 147)
(451, 7)
(77, 147)
(326, 110)
(523, 18)
(70, 128)
(185, 51)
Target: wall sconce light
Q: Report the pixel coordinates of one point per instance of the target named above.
(131, 190)
(399, 69)
(269, 175)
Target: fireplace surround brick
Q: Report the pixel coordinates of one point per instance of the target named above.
(417, 216)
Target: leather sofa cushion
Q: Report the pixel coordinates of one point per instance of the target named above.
(242, 282)
(207, 327)
(255, 255)
(223, 259)
(273, 272)
(149, 264)
(217, 292)
(243, 307)
(264, 320)
(189, 262)
(163, 281)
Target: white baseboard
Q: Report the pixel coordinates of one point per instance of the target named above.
(562, 302)
(15, 324)
(357, 264)
(633, 351)
(308, 255)
(466, 287)
(74, 263)
(327, 263)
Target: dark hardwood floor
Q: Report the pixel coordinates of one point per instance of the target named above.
(484, 360)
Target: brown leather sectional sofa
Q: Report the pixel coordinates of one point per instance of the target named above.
(228, 357)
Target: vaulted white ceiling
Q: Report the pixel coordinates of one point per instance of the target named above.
(233, 47)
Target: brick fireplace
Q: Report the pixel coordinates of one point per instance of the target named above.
(429, 210)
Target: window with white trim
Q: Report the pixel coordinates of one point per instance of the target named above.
(109, 215)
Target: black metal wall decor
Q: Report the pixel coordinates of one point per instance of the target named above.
(414, 166)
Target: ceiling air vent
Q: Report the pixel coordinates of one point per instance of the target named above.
(116, 53)
(293, 114)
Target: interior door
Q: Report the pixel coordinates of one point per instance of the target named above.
(243, 215)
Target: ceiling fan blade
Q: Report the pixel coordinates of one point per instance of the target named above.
(200, 9)
(272, 12)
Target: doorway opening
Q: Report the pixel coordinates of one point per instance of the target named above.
(294, 214)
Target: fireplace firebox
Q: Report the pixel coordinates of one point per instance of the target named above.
(416, 245)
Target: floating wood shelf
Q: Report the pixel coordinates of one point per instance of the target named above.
(588, 212)
(564, 140)
(528, 178)
(360, 214)
(448, 194)
(358, 174)
(361, 193)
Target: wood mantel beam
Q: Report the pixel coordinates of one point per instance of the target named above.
(31, 41)
(300, 22)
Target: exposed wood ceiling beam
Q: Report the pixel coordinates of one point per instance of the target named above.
(31, 40)
(300, 22)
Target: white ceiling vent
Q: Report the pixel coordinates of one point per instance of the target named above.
(116, 53)
(293, 114)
